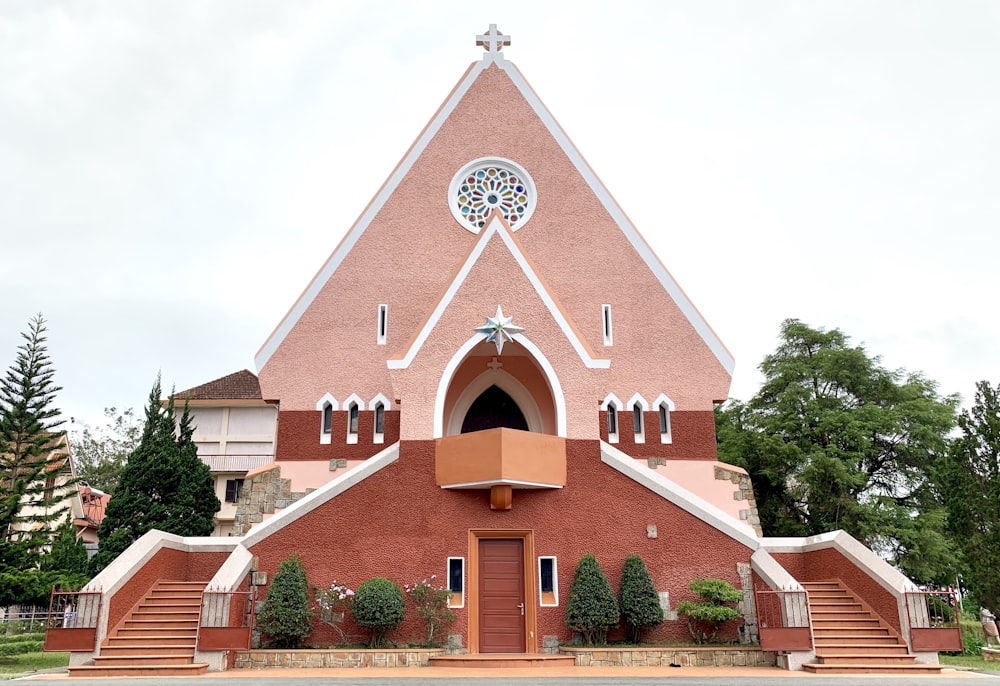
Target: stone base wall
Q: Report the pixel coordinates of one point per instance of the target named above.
(258, 659)
(664, 657)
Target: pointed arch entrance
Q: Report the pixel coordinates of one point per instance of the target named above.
(494, 409)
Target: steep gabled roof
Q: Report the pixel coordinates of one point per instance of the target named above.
(495, 59)
(241, 385)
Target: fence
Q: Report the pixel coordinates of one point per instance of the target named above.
(934, 616)
(226, 620)
(71, 622)
(783, 620)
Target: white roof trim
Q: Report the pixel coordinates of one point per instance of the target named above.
(496, 227)
(681, 497)
(321, 495)
(388, 188)
(347, 244)
(654, 264)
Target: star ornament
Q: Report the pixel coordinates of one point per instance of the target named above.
(499, 330)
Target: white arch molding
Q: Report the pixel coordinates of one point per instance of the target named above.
(462, 352)
(509, 385)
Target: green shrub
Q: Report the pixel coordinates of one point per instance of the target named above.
(637, 598)
(286, 615)
(592, 607)
(34, 636)
(19, 648)
(432, 606)
(379, 607)
(706, 616)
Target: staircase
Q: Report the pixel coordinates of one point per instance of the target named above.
(850, 638)
(157, 639)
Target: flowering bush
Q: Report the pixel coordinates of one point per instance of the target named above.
(432, 605)
(334, 600)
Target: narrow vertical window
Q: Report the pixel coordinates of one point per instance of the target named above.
(456, 581)
(548, 583)
(637, 419)
(612, 420)
(327, 418)
(379, 422)
(664, 423)
(352, 419)
(606, 321)
(383, 323)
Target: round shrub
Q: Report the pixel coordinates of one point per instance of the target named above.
(378, 606)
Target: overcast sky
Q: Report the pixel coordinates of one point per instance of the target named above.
(173, 173)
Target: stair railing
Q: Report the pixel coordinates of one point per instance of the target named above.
(71, 624)
(226, 621)
(783, 619)
(934, 616)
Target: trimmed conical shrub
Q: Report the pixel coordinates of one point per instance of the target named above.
(592, 608)
(638, 600)
(286, 615)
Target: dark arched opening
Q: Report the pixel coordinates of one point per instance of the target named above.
(493, 409)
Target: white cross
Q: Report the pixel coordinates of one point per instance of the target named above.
(493, 40)
(494, 364)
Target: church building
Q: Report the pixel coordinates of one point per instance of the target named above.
(491, 376)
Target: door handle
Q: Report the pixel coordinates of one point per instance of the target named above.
(521, 605)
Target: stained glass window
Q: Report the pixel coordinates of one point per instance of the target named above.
(488, 185)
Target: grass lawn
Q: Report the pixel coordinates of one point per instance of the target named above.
(31, 662)
(968, 661)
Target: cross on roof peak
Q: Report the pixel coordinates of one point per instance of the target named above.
(492, 40)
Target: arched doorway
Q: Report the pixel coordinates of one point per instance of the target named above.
(494, 409)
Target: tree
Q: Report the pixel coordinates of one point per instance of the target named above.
(969, 477)
(68, 554)
(286, 615)
(834, 440)
(101, 452)
(704, 617)
(640, 605)
(164, 485)
(592, 608)
(30, 455)
(378, 606)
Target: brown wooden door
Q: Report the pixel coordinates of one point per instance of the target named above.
(501, 595)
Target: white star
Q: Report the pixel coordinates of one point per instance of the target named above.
(499, 330)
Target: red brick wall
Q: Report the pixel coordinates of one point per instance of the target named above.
(299, 431)
(819, 565)
(399, 524)
(165, 564)
(692, 435)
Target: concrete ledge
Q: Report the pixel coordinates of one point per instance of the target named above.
(335, 657)
(716, 656)
(990, 654)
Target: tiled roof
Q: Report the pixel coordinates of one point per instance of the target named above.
(242, 385)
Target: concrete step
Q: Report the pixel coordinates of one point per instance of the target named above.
(150, 638)
(825, 649)
(866, 659)
(143, 660)
(888, 670)
(139, 648)
(147, 632)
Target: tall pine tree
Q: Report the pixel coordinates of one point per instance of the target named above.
(164, 485)
(30, 454)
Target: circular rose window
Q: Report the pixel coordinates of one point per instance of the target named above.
(491, 184)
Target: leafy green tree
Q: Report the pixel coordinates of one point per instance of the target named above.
(101, 452)
(592, 608)
(640, 605)
(834, 440)
(378, 606)
(704, 617)
(969, 477)
(286, 615)
(30, 454)
(67, 553)
(164, 485)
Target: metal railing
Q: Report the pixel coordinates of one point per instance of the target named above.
(933, 616)
(783, 619)
(71, 622)
(227, 619)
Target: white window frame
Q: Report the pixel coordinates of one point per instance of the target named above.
(555, 580)
(637, 402)
(373, 404)
(663, 402)
(357, 403)
(326, 401)
(382, 325)
(606, 324)
(612, 401)
(452, 603)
